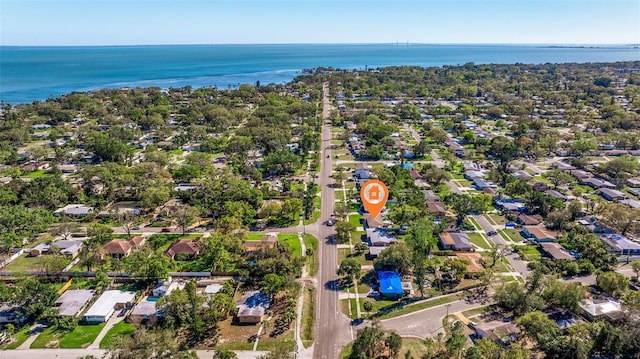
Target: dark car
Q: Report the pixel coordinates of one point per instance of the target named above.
(492, 233)
(166, 230)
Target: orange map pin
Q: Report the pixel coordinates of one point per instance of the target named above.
(374, 195)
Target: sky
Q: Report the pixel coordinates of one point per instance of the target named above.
(150, 22)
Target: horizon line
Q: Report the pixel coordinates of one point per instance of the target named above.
(405, 43)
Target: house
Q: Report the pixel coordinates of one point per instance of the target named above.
(539, 233)
(456, 241)
(185, 187)
(73, 210)
(498, 332)
(73, 301)
(107, 304)
(609, 309)
(481, 184)
(165, 287)
(555, 194)
(520, 174)
(540, 186)
(369, 222)
(268, 241)
(11, 314)
(70, 248)
(555, 251)
(252, 307)
(611, 194)
(562, 166)
(390, 284)
(144, 312)
(437, 208)
(631, 203)
(529, 220)
(212, 289)
(507, 204)
(68, 168)
(459, 153)
(580, 175)
(474, 266)
(379, 237)
(120, 248)
(620, 245)
(184, 248)
(470, 175)
(597, 183)
(120, 208)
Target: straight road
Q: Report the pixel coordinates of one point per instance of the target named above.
(98, 353)
(332, 327)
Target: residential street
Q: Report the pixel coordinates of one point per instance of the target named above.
(332, 327)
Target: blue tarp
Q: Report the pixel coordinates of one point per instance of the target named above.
(390, 284)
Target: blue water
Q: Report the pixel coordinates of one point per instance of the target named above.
(37, 73)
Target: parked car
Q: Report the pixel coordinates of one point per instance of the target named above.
(492, 233)
(166, 230)
(330, 223)
(136, 228)
(373, 294)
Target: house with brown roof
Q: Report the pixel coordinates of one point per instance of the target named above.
(456, 241)
(555, 251)
(474, 266)
(437, 208)
(529, 220)
(268, 241)
(120, 248)
(184, 248)
(539, 233)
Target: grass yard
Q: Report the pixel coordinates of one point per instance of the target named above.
(121, 329)
(37, 174)
(236, 337)
(292, 241)
(308, 314)
(311, 242)
(477, 311)
(530, 252)
(512, 234)
(176, 152)
(48, 339)
(355, 219)
(17, 339)
(255, 236)
(82, 336)
(345, 253)
(357, 236)
(26, 263)
(315, 218)
(474, 223)
(495, 218)
(270, 343)
(339, 195)
(478, 240)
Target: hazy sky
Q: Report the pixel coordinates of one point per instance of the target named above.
(128, 22)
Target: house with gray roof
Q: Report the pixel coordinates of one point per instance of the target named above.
(74, 210)
(456, 241)
(73, 301)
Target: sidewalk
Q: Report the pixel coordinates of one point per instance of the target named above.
(115, 319)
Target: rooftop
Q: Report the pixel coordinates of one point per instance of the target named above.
(108, 300)
(72, 301)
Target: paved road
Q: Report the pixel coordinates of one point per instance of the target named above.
(427, 322)
(332, 327)
(519, 265)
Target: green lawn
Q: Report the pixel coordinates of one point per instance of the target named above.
(311, 241)
(25, 263)
(122, 328)
(292, 241)
(497, 219)
(355, 219)
(339, 195)
(474, 223)
(36, 174)
(530, 252)
(478, 239)
(18, 339)
(46, 337)
(356, 236)
(316, 216)
(345, 253)
(176, 152)
(82, 336)
(512, 233)
(255, 236)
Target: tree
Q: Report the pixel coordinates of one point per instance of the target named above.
(421, 240)
(291, 208)
(273, 284)
(126, 220)
(343, 231)
(145, 344)
(148, 265)
(349, 268)
(463, 205)
(65, 229)
(222, 353)
(558, 177)
(621, 218)
(184, 216)
(612, 283)
(397, 258)
(404, 214)
(368, 306)
(635, 265)
(394, 343)
(360, 247)
(278, 352)
(456, 339)
(421, 148)
(369, 343)
(539, 327)
(154, 195)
